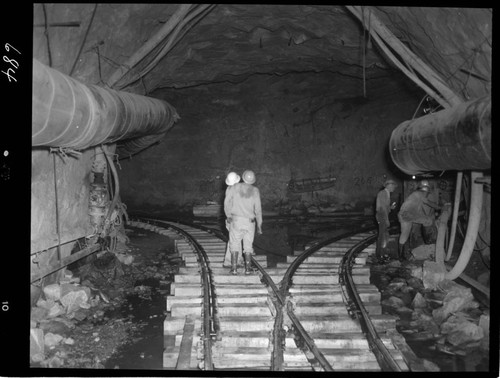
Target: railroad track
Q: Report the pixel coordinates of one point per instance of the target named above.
(317, 311)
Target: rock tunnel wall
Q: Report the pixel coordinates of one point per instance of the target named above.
(73, 185)
(296, 126)
(59, 219)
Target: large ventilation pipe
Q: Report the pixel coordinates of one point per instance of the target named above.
(67, 113)
(457, 138)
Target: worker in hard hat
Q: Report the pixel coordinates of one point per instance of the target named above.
(383, 206)
(231, 179)
(242, 207)
(419, 209)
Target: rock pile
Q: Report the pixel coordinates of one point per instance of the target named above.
(77, 324)
(52, 318)
(445, 313)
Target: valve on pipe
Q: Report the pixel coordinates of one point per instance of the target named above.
(457, 138)
(70, 114)
(98, 196)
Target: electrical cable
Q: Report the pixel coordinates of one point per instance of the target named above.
(419, 105)
(173, 39)
(47, 35)
(364, 50)
(462, 233)
(83, 42)
(115, 176)
(57, 211)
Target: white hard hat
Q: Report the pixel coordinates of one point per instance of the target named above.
(424, 185)
(232, 178)
(249, 177)
(389, 182)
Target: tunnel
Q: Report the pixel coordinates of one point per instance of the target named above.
(142, 111)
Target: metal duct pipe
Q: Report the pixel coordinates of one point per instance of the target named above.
(457, 138)
(67, 113)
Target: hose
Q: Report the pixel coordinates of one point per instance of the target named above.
(476, 205)
(115, 195)
(456, 204)
(442, 229)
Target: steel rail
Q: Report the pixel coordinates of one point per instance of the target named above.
(278, 334)
(278, 301)
(384, 358)
(280, 294)
(219, 234)
(277, 359)
(287, 278)
(286, 283)
(281, 305)
(210, 324)
(307, 340)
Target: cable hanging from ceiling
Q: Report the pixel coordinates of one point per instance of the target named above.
(149, 46)
(159, 45)
(365, 44)
(195, 17)
(83, 41)
(409, 63)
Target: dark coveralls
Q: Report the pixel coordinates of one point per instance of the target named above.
(417, 208)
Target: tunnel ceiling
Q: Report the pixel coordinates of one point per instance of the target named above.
(228, 43)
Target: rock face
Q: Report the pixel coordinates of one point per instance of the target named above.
(271, 131)
(235, 41)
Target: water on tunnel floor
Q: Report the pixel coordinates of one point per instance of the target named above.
(145, 348)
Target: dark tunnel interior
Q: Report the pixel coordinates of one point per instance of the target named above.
(142, 110)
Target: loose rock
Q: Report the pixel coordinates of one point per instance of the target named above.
(393, 303)
(73, 300)
(37, 343)
(457, 299)
(55, 327)
(461, 332)
(56, 310)
(433, 274)
(38, 314)
(52, 291)
(52, 339)
(419, 301)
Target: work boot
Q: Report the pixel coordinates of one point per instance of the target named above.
(404, 253)
(234, 263)
(407, 252)
(401, 248)
(248, 262)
